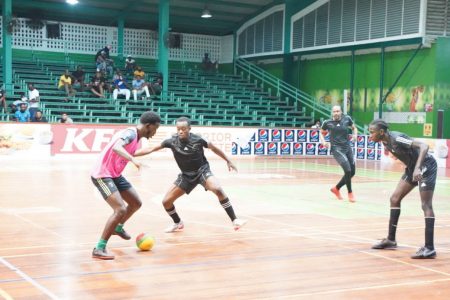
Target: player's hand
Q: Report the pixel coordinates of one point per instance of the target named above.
(231, 166)
(417, 174)
(354, 137)
(137, 164)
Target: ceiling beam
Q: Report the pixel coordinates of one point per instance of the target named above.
(226, 3)
(79, 9)
(198, 11)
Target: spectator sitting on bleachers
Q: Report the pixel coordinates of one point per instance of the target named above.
(157, 85)
(104, 64)
(65, 82)
(22, 115)
(317, 124)
(33, 99)
(130, 65)
(98, 84)
(139, 72)
(3, 100)
(139, 87)
(120, 87)
(65, 119)
(78, 77)
(39, 118)
(207, 64)
(16, 104)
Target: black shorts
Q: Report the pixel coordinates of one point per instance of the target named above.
(429, 175)
(108, 185)
(187, 181)
(344, 157)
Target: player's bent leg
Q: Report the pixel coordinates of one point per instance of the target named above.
(402, 189)
(173, 194)
(343, 160)
(427, 251)
(120, 209)
(118, 205)
(134, 203)
(213, 185)
(131, 197)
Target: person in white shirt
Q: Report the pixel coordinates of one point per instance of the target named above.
(139, 87)
(65, 119)
(33, 99)
(317, 125)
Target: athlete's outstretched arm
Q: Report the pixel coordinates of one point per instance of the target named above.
(423, 150)
(146, 151)
(220, 153)
(119, 149)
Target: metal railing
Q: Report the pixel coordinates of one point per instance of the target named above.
(283, 88)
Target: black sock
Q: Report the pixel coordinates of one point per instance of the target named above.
(341, 183)
(228, 208)
(393, 221)
(429, 232)
(173, 214)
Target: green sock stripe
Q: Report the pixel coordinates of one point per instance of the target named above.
(101, 244)
(119, 228)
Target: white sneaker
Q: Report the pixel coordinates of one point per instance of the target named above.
(175, 227)
(238, 223)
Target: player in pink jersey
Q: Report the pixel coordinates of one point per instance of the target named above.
(115, 189)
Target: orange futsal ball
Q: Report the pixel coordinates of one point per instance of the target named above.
(145, 242)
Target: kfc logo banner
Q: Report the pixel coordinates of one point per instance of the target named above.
(78, 139)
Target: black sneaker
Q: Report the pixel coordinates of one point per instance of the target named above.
(123, 234)
(101, 254)
(385, 244)
(424, 253)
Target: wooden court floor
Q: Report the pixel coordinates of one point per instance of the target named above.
(299, 243)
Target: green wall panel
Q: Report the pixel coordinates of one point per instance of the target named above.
(326, 79)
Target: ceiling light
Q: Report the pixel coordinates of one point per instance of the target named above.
(72, 2)
(206, 13)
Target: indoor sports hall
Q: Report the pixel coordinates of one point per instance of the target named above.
(278, 91)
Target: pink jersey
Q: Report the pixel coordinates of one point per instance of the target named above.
(110, 163)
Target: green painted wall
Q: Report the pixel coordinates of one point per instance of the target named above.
(275, 69)
(442, 98)
(326, 79)
(446, 125)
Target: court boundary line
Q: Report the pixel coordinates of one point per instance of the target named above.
(44, 228)
(28, 279)
(5, 295)
(360, 288)
(339, 245)
(309, 236)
